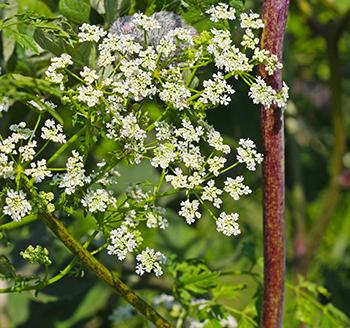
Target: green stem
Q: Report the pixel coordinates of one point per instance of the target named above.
(66, 145)
(101, 271)
(16, 224)
(71, 265)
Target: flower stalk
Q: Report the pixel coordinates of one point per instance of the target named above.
(101, 271)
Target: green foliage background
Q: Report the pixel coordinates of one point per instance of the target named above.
(311, 136)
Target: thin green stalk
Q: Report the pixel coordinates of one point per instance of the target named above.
(102, 271)
(15, 224)
(70, 142)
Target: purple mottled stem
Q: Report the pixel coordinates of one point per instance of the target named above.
(274, 15)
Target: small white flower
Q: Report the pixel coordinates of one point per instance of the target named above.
(89, 75)
(164, 154)
(145, 22)
(261, 93)
(190, 155)
(221, 11)
(216, 164)
(175, 93)
(251, 21)
(28, 151)
(58, 63)
(249, 40)
(195, 179)
(247, 154)
(282, 96)
(75, 175)
(21, 131)
(90, 33)
(155, 218)
(166, 47)
(53, 132)
(38, 171)
(215, 140)
(130, 128)
(188, 132)
(212, 193)
(17, 206)
(89, 95)
(98, 200)
(227, 224)
(216, 91)
(164, 131)
(150, 260)
(270, 61)
(178, 180)
(7, 169)
(236, 188)
(189, 210)
(123, 241)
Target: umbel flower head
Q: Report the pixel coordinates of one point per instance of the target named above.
(140, 62)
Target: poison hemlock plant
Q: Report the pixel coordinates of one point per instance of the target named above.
(143, 92)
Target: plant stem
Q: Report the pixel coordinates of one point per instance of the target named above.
(66, 145)
(16, 224)
(101, 271)
(274, 14)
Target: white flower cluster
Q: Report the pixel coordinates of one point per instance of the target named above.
(98, 200)
(236, 188)
(150, 260)
(221, 11)
(216, 91)
(58, 63)
(212, 193)
(75, 175)
(263, 94)
(145, 22)
(189, 210)
(227, 224)
(141, 59)
(53, 132)
(226, 55)
(123, 241)
(127, 130)
(269, 60)
(155, 218)
(251, 21)
(16, 205)
(248, 154)
(38, 171)
(7, 168)
(90, 33)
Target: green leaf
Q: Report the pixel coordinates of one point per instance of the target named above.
(49, 42)
(115, 9)
(26, 41)
(196, 278)
(8, 46)
(78, 11)
(337, 314)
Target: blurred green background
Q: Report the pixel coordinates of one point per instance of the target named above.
(317, 70)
